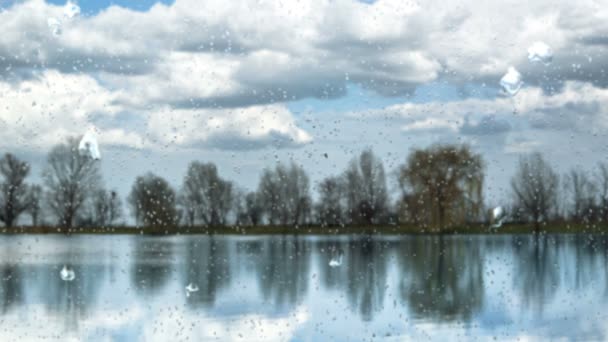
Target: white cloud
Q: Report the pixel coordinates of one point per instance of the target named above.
(241, 128)
(38, 113)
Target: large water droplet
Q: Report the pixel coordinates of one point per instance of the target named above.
(336, 259)
(191, 288)
(540, 52)
(54, 25)
(511, 82)
(71, 10)
(67, 273)
(88, 145)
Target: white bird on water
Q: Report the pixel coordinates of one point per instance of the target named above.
(336, 260)
(67, 273)
(191, 288)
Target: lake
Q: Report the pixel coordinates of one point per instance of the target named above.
(282, 288)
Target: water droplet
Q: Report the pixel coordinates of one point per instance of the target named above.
(540, 52)
(88, 145)
(191, 288)
(336, 259)
(54, 25)
(511, 82)
(67, 273)
(498, 217)
(71, 10)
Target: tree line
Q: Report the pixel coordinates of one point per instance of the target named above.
(438, 187)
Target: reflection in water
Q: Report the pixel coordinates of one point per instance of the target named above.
(282, 268)
(423, 287)
(442, 280)
(206, 265)
(366, 276)
(11, 287)
(151, 268)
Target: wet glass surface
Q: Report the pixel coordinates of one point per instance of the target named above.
(283, 288)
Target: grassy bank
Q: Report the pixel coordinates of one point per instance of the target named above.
(557, 227)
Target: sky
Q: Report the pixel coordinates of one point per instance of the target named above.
(246, 84)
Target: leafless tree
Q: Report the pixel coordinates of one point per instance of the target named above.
(70, 179)
(34, 208)
(205, 196)
(284, 195)
(535, 187)
(582, 190)
(365, 189)
(442, 186)
(330, 208)
(153, 201)
(253, 208)
(106, 208)
(13, 190)
(602, 184)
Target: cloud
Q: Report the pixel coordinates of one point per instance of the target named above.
(233, 57)
(233, 129)
(487, 125)
(38, 113)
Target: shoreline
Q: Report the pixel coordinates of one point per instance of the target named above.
(476, 229)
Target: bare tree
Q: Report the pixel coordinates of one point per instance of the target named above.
(13, 190)
(153, 201)
(442, 186)
(106, 208)
(583, 191)
(284, 195)
(253, 208)
(269, 196)
(330, 209)
(365, 189)
(34, 208)
(70, 179)
(205, 196)
(535, 187)
(602, 184)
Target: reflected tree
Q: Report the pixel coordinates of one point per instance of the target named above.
(283, 270)
(442, 277)
(536, 267)
(151, 268)
(367, 275)
(207, 265)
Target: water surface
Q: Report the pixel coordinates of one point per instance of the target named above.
(132, 288)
